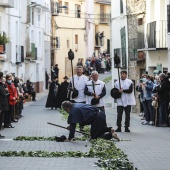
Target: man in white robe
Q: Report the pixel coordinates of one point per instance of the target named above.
(126, 100)
(97, 92)
(79, 83)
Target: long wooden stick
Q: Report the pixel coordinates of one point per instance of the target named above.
(67, 129)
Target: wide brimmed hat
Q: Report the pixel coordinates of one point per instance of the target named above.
(115, 93)
(94, 101)
(60, 139)
(65, 77)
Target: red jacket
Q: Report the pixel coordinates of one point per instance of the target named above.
(13, 93)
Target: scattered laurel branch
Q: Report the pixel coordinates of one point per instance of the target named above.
(109, 156)
(106, 80)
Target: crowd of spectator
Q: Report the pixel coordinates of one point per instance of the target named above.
(154, 96)
(100, 63)
(13, 94)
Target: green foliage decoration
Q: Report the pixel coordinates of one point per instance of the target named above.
(106, 80)
(4, 39)
(110, 157)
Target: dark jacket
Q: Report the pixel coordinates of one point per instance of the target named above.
(163, 91)
(64, 91)
(4, 106)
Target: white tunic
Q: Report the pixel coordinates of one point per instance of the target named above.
(126, 98)
(98, 91)
(79, 84)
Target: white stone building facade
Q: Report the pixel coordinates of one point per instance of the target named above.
(28, 25)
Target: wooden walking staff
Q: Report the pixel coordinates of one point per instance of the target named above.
(71, 57)
(67, 128)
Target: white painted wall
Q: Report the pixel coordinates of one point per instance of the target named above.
(118, 21)
(89, 28)
(15, 25)
(156, 10)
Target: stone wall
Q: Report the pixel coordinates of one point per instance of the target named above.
(135, 10)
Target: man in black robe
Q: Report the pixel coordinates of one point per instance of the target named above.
(64, 89)
(53, 99)
(85, 114)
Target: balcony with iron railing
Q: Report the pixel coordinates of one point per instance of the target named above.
(55, 42)
(32, 55)
(154, 38)
(104, 18)
(7, 3)
(106, 2)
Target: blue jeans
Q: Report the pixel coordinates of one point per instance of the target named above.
(148, 110)
(162, 113)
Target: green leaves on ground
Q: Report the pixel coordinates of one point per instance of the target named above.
(106, 80)
(64, 113)
(36, 138)
(33, 138)
(110, 157)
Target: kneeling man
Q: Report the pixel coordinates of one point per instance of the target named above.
(85, 114)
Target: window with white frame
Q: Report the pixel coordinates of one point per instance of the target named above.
(39, 38)
(39, 15)
(32, 36)
(66, 9)
(77, 11)
(32, 16)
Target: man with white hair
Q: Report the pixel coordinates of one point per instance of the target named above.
(95, 90)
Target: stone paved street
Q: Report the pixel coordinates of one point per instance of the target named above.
(149, 148)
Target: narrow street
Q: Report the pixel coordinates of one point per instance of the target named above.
(149, 148)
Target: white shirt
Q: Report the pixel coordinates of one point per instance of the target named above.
(98, 91)
(79, 84)
(126, 98)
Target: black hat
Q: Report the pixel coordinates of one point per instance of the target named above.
(65, 77)
(115, 93)
(60, 139)
(94, 101)
(75, 93)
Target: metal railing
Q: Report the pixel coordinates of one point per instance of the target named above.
(104, 18)
(108, 2)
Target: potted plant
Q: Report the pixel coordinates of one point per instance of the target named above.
(4, 39)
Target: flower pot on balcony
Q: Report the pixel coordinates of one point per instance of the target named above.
(1, 49)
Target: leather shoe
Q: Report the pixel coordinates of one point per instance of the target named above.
(2, 137)
(11, 126)
(14, 120)
(127, 129)
(118, 129)
(8, 126)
